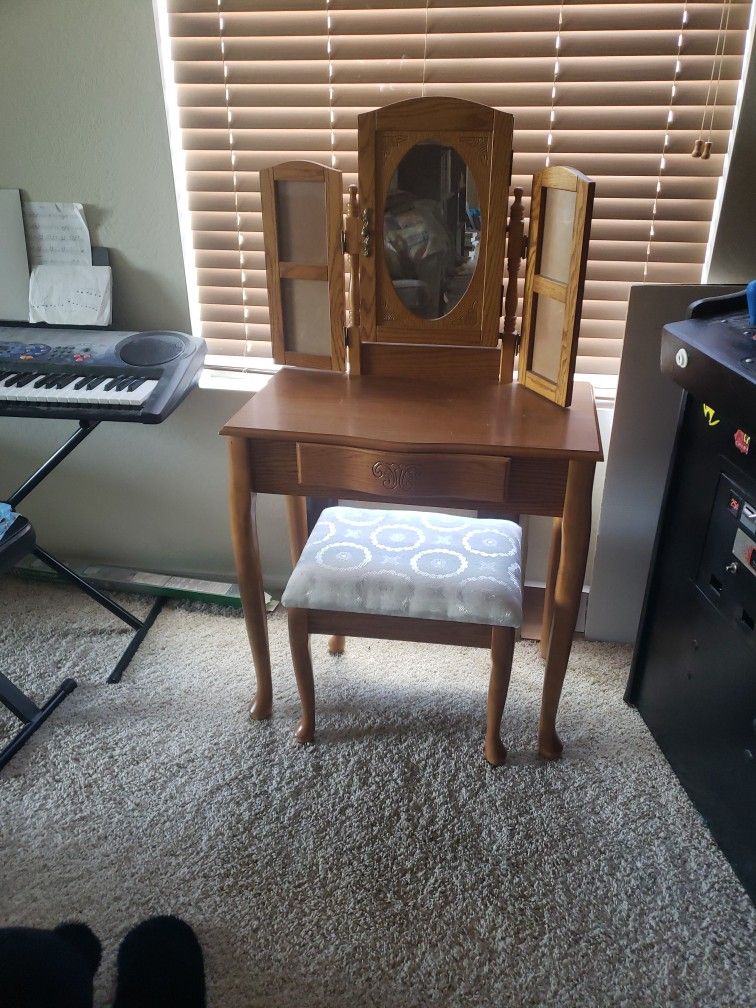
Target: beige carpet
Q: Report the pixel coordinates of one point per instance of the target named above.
(388, 865)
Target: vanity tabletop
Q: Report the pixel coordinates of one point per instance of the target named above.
(405, 414)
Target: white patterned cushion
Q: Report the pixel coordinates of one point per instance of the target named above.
(411, 563)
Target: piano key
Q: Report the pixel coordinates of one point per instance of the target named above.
(87, 396)
(73, 389)
(8, 389)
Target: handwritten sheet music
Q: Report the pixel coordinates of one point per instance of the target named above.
(56, 233)
(70, 294)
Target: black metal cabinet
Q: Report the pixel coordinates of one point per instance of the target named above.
(693, 676)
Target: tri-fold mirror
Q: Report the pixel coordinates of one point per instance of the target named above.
(425, 239)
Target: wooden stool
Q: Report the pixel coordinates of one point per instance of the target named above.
(409, 575)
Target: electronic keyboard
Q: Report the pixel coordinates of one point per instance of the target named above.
(96, 374)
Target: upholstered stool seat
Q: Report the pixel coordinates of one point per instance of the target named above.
(409, 575)
(419, 564)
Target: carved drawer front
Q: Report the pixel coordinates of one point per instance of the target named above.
(403, 474)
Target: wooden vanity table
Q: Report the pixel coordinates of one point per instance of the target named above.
(498, 448)
(428, 413)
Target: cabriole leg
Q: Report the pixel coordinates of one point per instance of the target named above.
(552, 569)
(576, 534)
(502, 649)
(299, 641)
(242, 507)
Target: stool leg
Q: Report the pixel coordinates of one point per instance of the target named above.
(315, 507)
(502, 650)
(336, 644)
(299, 641)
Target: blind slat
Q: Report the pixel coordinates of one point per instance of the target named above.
(488, 45)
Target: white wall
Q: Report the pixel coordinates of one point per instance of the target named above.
(140, 496)
(83, 119)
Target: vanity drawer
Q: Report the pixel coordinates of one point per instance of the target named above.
(403, 474)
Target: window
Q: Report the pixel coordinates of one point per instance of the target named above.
(619, 90)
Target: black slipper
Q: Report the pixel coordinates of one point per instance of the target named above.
(48, 969)
(160, 965)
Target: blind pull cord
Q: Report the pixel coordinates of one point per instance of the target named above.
(702, 148)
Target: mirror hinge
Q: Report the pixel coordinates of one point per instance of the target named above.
(346, 336)
(343, 241)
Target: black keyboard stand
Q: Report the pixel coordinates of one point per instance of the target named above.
(26, 711)
(10, 696)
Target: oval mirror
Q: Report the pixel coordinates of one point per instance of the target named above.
(431, 229)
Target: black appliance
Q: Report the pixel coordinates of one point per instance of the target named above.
(693, 676)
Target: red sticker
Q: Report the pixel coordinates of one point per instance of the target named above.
(742, 441)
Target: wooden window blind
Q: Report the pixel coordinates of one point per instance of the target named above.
(615, 89)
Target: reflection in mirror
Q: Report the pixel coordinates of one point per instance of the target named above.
(547, 336)
(431, 229)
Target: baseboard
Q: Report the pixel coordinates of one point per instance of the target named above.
(124, 579)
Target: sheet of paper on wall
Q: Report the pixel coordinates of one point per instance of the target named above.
(65, 294)
(57, 233)
(14, 266)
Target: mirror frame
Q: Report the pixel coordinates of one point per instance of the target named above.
(569, 293)
(483, 138)
(332, 271)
